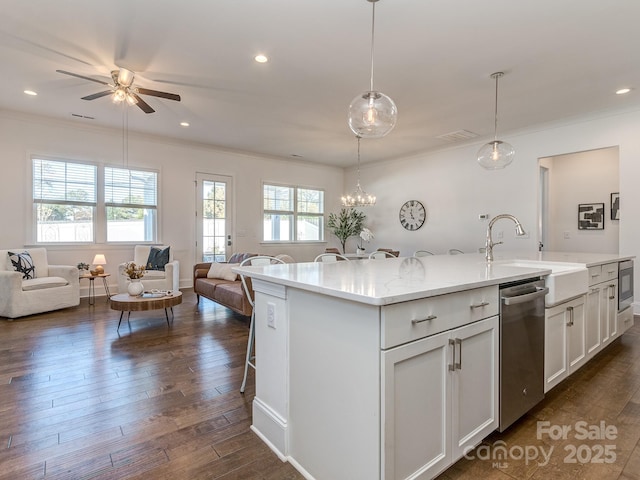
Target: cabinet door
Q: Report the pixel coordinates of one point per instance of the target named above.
(416, 412)
(475, 384)
(612, 308)
(593, 325)
(576, 345)
(555, 346)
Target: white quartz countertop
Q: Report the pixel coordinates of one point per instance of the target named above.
(394, 280)
(586, 259)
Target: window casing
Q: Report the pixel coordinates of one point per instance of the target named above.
(292, 214)
(131, 201)
(64, 201)
(76, 202)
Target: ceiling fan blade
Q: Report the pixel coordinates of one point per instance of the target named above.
(84, 78)
(144, 106)
(98, 95)
(156, 93)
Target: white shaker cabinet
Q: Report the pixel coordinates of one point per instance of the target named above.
(439, 397)
(602, 307)
(565, 344)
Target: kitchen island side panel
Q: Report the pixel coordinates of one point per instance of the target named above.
(334, 372)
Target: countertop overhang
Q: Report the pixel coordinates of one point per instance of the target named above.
(395, 280)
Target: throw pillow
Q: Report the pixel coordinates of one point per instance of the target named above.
(223, 271)
(23, 263)
(158, 258)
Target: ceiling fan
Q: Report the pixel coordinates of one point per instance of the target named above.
(123, 89)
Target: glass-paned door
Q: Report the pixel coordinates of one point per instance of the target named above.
(214, 217)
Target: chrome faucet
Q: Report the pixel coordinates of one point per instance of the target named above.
(489, 244)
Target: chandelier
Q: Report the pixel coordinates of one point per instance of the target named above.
(359, 198)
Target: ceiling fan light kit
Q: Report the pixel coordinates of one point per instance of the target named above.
(372, 114)
(496, 154)
(123, 89)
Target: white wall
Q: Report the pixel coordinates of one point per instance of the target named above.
(22, 136)
(584, 177)
(455, 189)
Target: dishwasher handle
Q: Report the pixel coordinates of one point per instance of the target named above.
(540, 292)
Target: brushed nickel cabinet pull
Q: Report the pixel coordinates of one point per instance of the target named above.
(430, 317)
(452, 365)
(570, 310)
(458, 341)
(479, 305)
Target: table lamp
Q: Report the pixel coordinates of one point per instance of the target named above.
(98, 261)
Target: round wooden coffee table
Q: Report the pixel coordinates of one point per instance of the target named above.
(123, 302)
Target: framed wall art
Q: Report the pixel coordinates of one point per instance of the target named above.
(615, 206)
(591, 216)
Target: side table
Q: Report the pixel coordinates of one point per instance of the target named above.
(92, 287)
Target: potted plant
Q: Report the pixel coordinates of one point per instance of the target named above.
(135, 273)
(365, 235)
(347, 223)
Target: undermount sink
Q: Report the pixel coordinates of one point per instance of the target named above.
(566, 281)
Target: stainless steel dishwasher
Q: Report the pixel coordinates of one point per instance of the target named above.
(521, 348)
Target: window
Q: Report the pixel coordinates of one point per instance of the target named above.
(130, 198)
(292, 214)
(64, 201)
(68, 208)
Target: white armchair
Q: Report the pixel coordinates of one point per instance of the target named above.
(167, 279)
(54, 286)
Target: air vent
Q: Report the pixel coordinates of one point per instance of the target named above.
(458, 136)
(77, 115)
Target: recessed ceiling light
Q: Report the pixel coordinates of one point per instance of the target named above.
(260, 58)
(184, 124)
(622, 91)
(30, 92)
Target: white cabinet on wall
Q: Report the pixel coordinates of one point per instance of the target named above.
(439, 397)
(565, 344)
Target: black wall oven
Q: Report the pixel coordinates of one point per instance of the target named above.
(625, 284)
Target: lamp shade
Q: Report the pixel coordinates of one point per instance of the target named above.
(98, 261)
(372, 115)
(496, 155)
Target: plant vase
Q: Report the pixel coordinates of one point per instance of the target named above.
(360, 251)
(135, 287)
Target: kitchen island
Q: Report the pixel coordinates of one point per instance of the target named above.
(360, 366)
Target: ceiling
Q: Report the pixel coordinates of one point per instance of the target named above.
(434, 58)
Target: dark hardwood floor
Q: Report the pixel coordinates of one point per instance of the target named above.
(80, 401)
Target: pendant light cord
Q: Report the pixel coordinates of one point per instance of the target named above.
(358, 169)
(495, 116)
(373, 23)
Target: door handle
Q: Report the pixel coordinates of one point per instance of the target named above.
(613, 289)
(570, 310)
(458, 341)
(452, 365)
(540, 292)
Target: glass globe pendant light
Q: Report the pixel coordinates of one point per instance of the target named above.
(372, 114)
(359, 198)
(497, 154)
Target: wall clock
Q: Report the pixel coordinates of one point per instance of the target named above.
(412, 215)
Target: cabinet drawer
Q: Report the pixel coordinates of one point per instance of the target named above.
(625, 320)
(595, 275)
(609, 271)
(404, 322)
